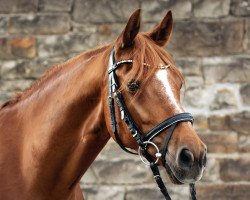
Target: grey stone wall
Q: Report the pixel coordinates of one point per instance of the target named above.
(211, 44)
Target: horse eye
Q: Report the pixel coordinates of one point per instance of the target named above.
(133, 85)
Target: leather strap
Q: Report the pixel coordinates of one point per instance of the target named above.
(164, 148)
(159, 181)
(192, 191)
(182, 117)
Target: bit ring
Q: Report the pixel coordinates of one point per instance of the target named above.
(157, 154)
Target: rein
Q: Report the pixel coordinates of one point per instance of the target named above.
(143, 140)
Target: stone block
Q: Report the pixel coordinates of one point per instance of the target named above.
(194, 38)
(54, 46)
(89, 11)
(42, 24)
(149, 192)
(55, 5)
(211, 8)
(224, 99)
(107, 192)
(154, 11)
(3, 25)
(89, 177)
(247, 43)
(18, 47)
(240, 7)
(18, 6)
(239, 122)
(235, 169)
(26, 69)
(212, 172)
(5, 49)
(222, 70)
(4, 96)
(244, 143)
(84, 38)
(218, 122)
(193, 82)
(15, 85)
(99, 34)
(189, 66)
(111, 149)
(143, 193)
(23, 47)
(222, 191)
(200, 122)
(122, 172)
(199, 97)
(220, 141)
(245, 94)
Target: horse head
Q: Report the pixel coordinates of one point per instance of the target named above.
(150, 85)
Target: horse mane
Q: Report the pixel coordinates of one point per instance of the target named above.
(50, 74)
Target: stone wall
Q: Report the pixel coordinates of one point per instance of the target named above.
(211, 44)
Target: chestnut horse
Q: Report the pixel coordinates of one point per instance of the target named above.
(51, 133)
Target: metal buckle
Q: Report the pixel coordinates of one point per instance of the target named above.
(157, 154)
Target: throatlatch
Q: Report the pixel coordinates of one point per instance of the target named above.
(143, 140)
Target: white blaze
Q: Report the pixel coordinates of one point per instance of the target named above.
(162, 76)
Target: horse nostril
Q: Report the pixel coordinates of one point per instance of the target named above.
(186, 158)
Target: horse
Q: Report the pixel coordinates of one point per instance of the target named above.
(52, 132)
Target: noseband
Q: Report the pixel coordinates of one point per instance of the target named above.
(143, 140)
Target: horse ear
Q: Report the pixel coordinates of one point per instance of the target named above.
(131, 30)
(162, 32)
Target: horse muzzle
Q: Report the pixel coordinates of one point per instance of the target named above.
(186, 168)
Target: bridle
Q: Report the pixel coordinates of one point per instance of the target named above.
(143, 140)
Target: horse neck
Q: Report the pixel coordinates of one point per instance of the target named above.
(64, 122)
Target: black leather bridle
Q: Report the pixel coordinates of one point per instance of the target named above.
(143, 140)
